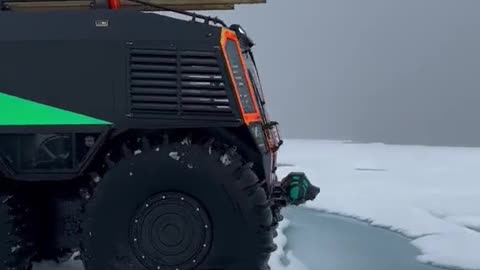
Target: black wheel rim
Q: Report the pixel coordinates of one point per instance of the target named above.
(171, 231)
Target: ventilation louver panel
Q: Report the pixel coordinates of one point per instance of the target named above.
(203, 89)
(184, 83)
(153, 81)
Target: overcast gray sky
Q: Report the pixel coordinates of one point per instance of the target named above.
(398, 71)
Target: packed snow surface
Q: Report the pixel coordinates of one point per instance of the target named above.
(281, 259)
(430, 194)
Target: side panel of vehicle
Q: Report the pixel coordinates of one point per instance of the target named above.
(128, 68)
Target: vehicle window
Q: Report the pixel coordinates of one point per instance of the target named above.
(254, 76)
(272, 136)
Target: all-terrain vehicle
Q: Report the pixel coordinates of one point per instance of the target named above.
(138, 140)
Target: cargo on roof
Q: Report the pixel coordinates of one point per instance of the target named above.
(87, 4)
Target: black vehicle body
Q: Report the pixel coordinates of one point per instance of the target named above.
(140, 72)
(136, 137)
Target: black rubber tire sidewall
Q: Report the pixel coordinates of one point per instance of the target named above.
(237, 207)
(5, 229)
(19, 260)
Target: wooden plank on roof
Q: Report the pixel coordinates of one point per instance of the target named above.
(197, 4)
(191, 5)
(48, 5)
(205, 2)
(85, 4)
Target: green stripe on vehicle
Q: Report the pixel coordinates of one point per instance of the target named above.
(15, 111)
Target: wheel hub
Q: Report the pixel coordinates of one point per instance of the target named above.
(171, 231)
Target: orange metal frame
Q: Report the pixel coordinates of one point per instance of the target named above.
(248, 118)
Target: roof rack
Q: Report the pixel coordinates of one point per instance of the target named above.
(151, 5)
(194, 16)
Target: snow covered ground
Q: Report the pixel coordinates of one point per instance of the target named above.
(430, 194)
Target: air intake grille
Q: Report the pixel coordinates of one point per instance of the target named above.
(183, 83)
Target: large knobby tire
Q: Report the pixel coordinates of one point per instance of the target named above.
(15, 253)
(179, 206)
(5, 230)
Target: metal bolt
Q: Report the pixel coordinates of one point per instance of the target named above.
(134, 239)
(147, 205)
(206, 226)
(131, 173)
(136, 220)
(204, 245)
(163, 197)
(198, 209)
(143, 256)
(182, 198)
(194, 261)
